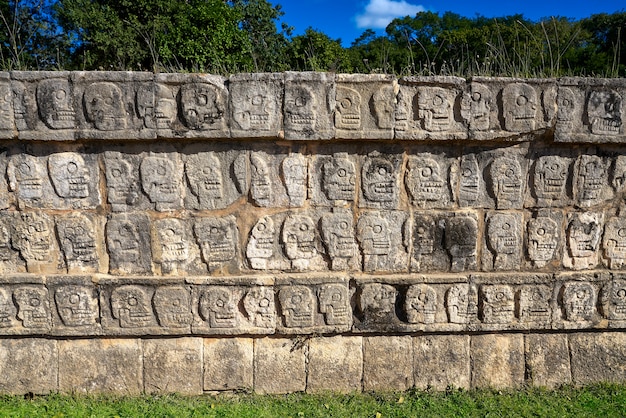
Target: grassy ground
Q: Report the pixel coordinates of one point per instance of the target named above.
(592, 401)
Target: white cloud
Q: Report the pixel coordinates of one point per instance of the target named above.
(378, 13)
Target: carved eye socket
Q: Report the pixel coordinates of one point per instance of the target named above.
(214, 230)
(257, 100)
(341, 172)
(541, 231)
(132, 301)
(581, 294)
(467, 172)
(522, 100)
(261, 227)
(421, 230)
(377, 229)
(336, 297)
(500, 296)
(554, 167)
(220, 303)
(622, 232)
(304, 227)
(74, 298)
(476, 96)
(438, 100)
(343, 225)
(116, 172)
(506, 226)
(300, 101)
(264, 303)
(60, 94)
(176, 302)
(296, 299)
(72, 167)
(202, 100)
(566, 102)
(34, 302)
(621, 293)
(161, 170)
(423, 297)
(108, 101)
(509, 172)
(25, 168)
(346, 103)
(382, 171)
(427, 172)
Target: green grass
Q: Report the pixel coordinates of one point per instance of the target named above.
(592, 401)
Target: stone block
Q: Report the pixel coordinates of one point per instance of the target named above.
(255, 104)
(228, 363)
(497, 361)
(387, 363)
(547, 360)
(598, 357)
(309, 105)
(101, 366)
(173, 365)
(279, 365)
(335, 364)
(441, 361)
(28, 365)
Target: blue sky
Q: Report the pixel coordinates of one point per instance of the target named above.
(347, 19)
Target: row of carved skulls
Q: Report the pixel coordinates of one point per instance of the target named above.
(202, 106)
(294, 241)
(305, 306)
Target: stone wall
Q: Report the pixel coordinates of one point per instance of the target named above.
(309, 231)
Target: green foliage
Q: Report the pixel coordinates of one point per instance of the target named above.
(597, 400)
(315, 51)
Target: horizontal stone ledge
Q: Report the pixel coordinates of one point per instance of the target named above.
(304, 304)
(68, 106)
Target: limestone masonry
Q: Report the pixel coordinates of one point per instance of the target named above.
(309, 231)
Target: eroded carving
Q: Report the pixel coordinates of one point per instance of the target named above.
(504, 241)
(203, 106)
(260, 181)
(122, 182)
(297, 306)
(534, 304)
(204, 174)
(460, 239)
(172, 305)
(348, 115)
(26, 176)
(425, 180)
(131, 306)
(32, 236)
(520, 107)
(33, 307)
(300, 242)
(507, 182)
(260, 249)
(543, 238)
(338, 236)
(260, 307)
(497, 304)
(379, 181)
(156, 105)
(294, 169)
(469, 180)
(161, 181)
(462, 303)
(69, 175)
(78, 242)
(339, 178)
(77, 305)
(128, 243)
(435, 108)
(334, 303)
(300, 109)
(550, 179)
(378, 302)
(104, 106)
(218, 238)
(604, 112)
(383, 100)
(476, 107)
(583, 238)
(613, 300)
(54, 100)
(420, 304)
(173, 244)
(614, 242)
(579, 301)
(218, 306)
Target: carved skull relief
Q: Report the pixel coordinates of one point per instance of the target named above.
(54, 99)
(202, 106)
(69, 174)
(104, 106)
(348, 115)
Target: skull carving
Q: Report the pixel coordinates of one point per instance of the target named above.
(584, 235)
(339, 178)
(461, 303)
(156, 106)
(299, 108)
(32, 237)
(297, 306)
(123, 241)
(122, 186)
(579, 301)
(6, 252)
(33, 307)
(424, 230)
(172, 306)
(543, 238)
(476, 107)
(219, 307)
(203, 106)
(424, 181)
(174, 245)
(460, 239)
(259, 305)
(550, 177)
(6, 107)
(604, 111)
(77, 305)
(379, 183)
(131, 306)
(507, 183)
(435, 108)
(520, 107)
(614, 242)
(295, 176)
(261, 245)
(160, 181)
(348, 115)
(378, 302)
(298, 238)
(383, 100)
(619, 173)
(76, 234)
(497, 304)
(104, 106)
(335, 304)
(24, 107)
(7, 310)
(374, 235)
(26, 176)
(566, 107)
(253, 109)
(469, 180)
(260, 181)
(591, 178)
(338, 235)
(614, 300)
(69, 174)
(503, 238)
(421, 304)
(534, 304)
(217, 239)
(204, 173)
(56, 109)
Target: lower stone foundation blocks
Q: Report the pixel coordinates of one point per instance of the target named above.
(173, 365)
(335, 363)
(441, 361)
(387, 363)
(228, 364)
(28, 365)
(547, 360)
(279, 365)
(497, 360)
(598, 357)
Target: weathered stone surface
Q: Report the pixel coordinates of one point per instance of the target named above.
(387, 363)
(172, 365)
(442, 361)
(279, 365)
(309, 105)
(547, 360)
(255, 105)
(598, 357)
(497, 360)
(28, 365)
(101, 366)
(335, 363)
(228, 364)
